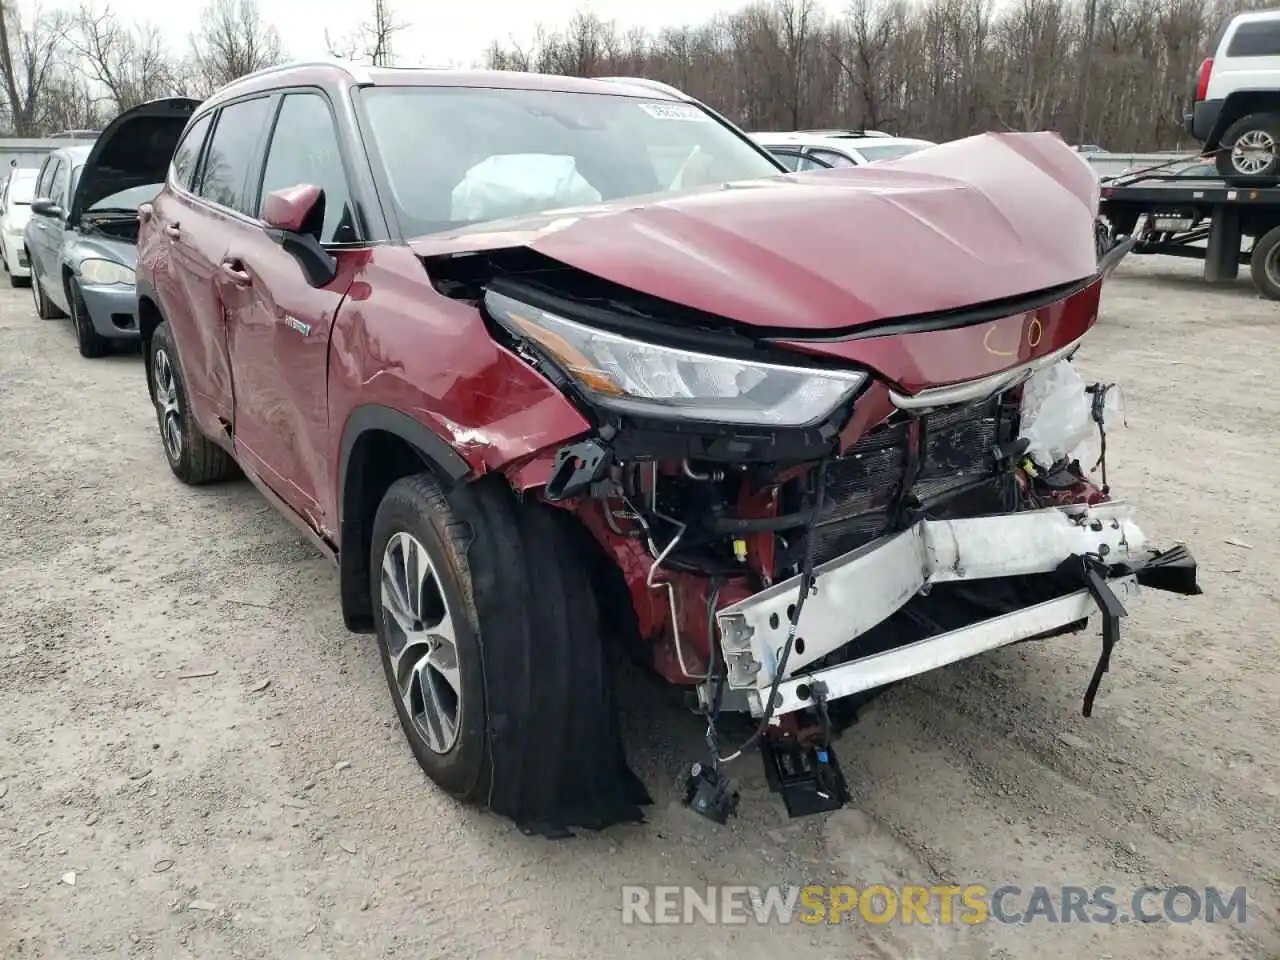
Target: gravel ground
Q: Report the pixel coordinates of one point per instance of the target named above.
(188, 729)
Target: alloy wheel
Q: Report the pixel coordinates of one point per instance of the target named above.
(421, 642)
(166, 388)
(1253, 152)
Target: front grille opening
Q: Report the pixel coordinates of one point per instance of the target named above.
(956, 461)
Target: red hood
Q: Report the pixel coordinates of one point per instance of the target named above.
(975, 220)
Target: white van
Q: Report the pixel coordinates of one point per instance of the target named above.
(1235, 109)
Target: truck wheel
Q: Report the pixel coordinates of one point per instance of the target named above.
(193, 457)
(1250, 149)
(1264, 264)
(490, 642)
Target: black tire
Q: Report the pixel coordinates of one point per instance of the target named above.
(19, 281)
(193, 457)
(91, 343)
(1264, 264)
(1264, 126)
(538, 739)
(46, 309)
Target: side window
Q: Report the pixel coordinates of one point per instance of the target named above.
(188, 152)
(810, 162)
(58, 185)
(1258, 39)
(232, 152)
(46, 174)
(832, 159)
(304, 149)
(788, 158)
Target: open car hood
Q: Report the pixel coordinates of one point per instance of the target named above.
(134, 149)
(972, 221)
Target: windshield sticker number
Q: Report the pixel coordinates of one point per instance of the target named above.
(674, 111)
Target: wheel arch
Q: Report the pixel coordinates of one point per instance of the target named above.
(1239, 104)
(150, 316)
(379, 446)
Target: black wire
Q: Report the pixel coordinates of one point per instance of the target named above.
(806, 585)
(713, 713)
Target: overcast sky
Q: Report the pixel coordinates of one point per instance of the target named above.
(452, 32)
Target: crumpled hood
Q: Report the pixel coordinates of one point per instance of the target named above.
(975, 220)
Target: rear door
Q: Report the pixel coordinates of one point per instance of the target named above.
(44, 228)
(201, 219)
(278, 324)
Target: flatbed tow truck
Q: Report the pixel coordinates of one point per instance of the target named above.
(1201, 217)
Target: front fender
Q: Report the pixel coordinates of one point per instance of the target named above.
(423, 359)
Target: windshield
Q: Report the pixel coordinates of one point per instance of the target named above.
(890, 152)
(503, 153)
(22, 190)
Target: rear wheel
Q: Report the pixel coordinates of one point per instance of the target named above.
(1250, 148)
(91, 343)
(46, 309)
(491, 646)
(192, 456)
(1264, 264)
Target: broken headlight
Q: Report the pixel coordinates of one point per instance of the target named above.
(648, 379)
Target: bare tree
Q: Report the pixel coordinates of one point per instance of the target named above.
(371, 41)
(130, 63)
(1117, 71)
(232, 40)
(28, 59)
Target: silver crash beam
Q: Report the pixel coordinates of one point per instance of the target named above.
(860, 589)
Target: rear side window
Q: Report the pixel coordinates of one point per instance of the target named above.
(1257, 39)
(46, 174)
(833, 158)
(187, 155)
(787, 158)
(304, 149)
(232, 152)
(58, 185)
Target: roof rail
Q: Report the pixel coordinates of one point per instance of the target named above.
(355, 71)
(840, 132)
(651, 84)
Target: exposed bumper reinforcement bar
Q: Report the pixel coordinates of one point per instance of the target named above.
(859, 590)
(946, 648)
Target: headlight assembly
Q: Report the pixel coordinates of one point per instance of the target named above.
(104, 272)
(647, 379)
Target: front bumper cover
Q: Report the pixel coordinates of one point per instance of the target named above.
(861, 589)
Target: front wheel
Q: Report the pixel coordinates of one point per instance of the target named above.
(1264, 264)
(1250, 148)
(491, 646)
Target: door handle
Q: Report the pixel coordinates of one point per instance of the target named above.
(171, 231)
(234, 271)
(40, 225)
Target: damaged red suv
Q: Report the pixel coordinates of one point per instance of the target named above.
(553, 367)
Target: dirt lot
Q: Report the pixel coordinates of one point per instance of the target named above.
(189, 730)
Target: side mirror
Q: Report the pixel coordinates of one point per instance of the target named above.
(45, 207)
(294, 218)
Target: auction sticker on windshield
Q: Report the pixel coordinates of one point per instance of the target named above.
(674, 111)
